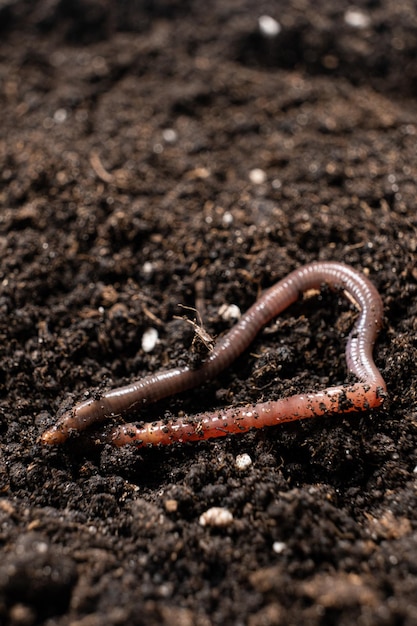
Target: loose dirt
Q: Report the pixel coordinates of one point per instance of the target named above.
(162, 155)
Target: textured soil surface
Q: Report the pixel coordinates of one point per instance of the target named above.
(169, 154)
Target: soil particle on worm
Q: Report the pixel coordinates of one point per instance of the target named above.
(161, 160)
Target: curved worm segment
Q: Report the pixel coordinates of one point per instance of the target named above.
(368, 393)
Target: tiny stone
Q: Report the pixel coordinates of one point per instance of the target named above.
(147, 268)
(243, 461)
(278, 547)
(268, 27)
(169, 135)
(227, 219)
(356, 18)
(149, 339)
(60, 116)
(229, 312)
(217, 516)
(21, 615)
(171, 506)
(257, 176)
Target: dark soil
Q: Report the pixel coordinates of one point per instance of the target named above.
(129, 134)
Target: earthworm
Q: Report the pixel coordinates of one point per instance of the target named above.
(366, 393)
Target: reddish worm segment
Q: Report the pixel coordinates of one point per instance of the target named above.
(367, 393)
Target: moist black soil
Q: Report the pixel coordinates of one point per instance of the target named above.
(170, 154)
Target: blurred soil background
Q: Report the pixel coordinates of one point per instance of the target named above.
(169, 153)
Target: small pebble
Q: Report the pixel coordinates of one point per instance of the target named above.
(21, 615)
(147, 268)
(149, 339)
(356, 18)
(217, 516)
(169, 135)
(229, 312)
(278, 547)
(268, 27)
(257, 176)
(60, 116)
(171, 506)
(227, 219)
(243, 461)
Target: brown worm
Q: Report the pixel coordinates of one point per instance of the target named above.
(367, 393)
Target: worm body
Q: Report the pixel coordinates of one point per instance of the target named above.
(367, 393)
